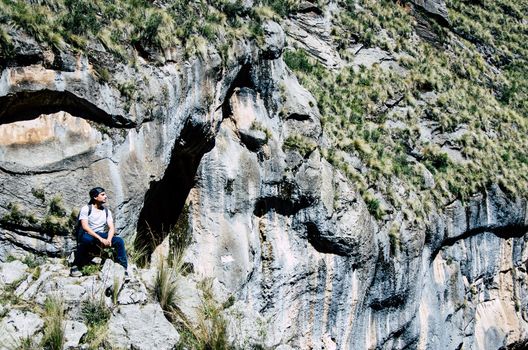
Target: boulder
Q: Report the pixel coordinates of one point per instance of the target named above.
(73, 332)
(12, 272)
(435, 8)
(141, 327)
(18, 325)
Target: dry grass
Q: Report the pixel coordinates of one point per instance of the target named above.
(211, 330)
(165, 287)
(469, 95)
(126, 28)
(53, 338)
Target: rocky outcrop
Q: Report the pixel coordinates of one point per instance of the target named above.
(312, 260)
(310, 29)
(127, 328)
(17, 325)
(138, 324)
(435, 8)
(231, 149)
(99, 130)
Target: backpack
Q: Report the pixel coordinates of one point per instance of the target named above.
(78, 227)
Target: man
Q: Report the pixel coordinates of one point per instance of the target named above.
(97, 230)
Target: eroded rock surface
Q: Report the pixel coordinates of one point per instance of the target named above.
(128, 328)
(234, 147)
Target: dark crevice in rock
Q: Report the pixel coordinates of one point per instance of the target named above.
(393, 301)
(394, 102)
(282, 206)
(24, 230)
(324, 245)
(285, 199)
(298, 117)
(22, 172)
(42, 238)
(404, 334)
(518, 345)
(242, 80)
(412, 344)
(28, 248)
(253, 139)
(26, 105)
(20, 50)
(424, 28)
(358, 50)
(165, 199)
(143, 50)
(505, 232)
(306, 8)
(10, 59)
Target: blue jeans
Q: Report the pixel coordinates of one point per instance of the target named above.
(87, 244)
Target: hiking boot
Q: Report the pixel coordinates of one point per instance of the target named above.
(74, 272)
(127, 277)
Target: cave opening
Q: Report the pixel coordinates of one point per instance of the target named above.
(164, 203)
(164, 210)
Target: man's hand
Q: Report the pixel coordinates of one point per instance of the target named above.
(105, 242)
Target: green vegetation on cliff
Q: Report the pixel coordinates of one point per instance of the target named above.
(125, 27)
(450, 97)
(498, 29)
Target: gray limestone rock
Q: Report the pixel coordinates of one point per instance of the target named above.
(72, 293)
(367, 57)
(33, 288)
(434, 7)
(25, 49)
(12, 272)
(428, 178)
(187, 290)
(299, 109)
(16, 326)
(111, 273)
(231, 149)
(73, 332)
(133, 292)
(141, 327)
(274, 40)
(253, 139)
(311, 30)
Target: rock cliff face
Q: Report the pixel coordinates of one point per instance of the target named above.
(209, 142)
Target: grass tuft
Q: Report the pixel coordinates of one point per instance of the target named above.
(53, 338)
(95, 314)
(211, 330)
(165, 288)
(304, 145)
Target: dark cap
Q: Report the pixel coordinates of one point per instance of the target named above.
(94, 192)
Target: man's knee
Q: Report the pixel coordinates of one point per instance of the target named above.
(86, 239)
(118, 241)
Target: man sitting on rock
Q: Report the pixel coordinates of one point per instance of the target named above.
(97, 230)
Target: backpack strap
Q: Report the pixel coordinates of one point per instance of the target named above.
(79, 229)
